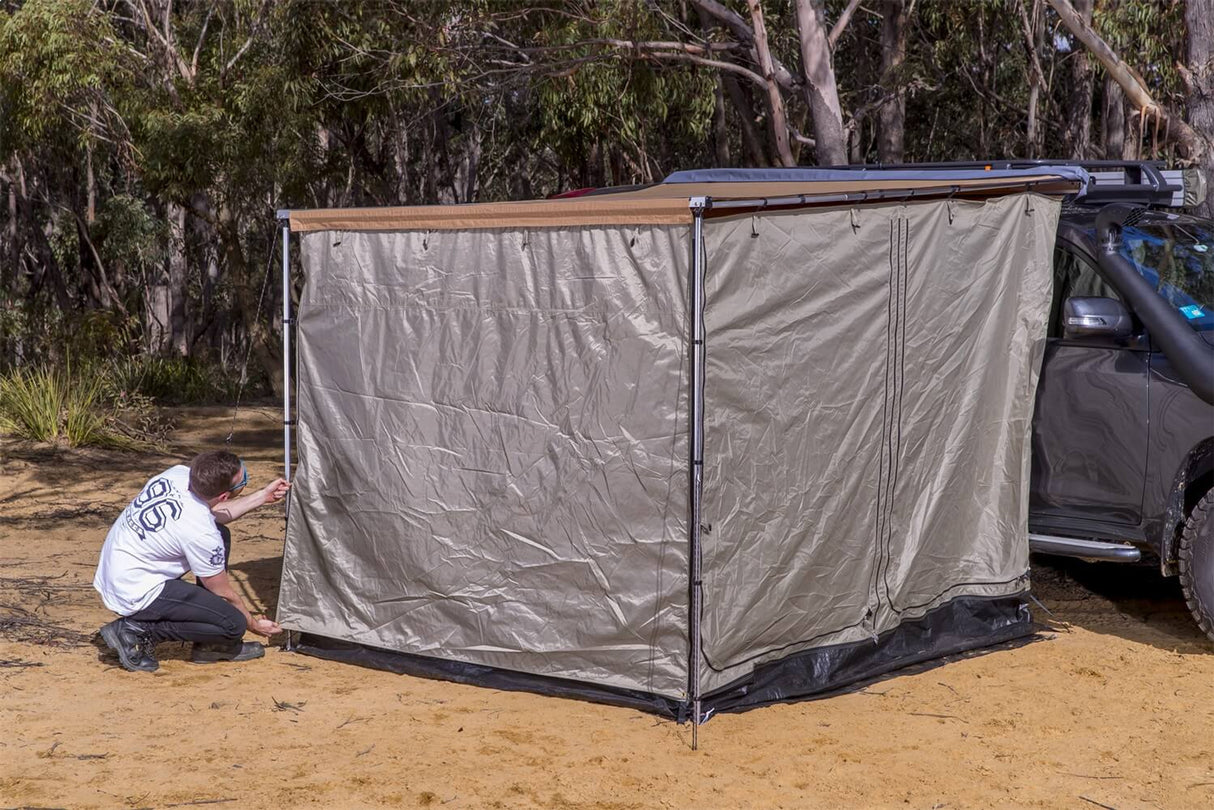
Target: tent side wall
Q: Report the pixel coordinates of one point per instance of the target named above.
(493, 450)
(870, 386)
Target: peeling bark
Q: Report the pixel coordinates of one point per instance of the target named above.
(777, 116)
(821, 90)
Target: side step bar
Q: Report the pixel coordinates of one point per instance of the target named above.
(1087, 549)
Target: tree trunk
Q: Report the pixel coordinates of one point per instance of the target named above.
(821, 90)
(209, 323)
(1078, 134)
(50, 269)
(1113, 120)
(1032, 28)
(739, 98)
(891, 116)
(777, 117)
(12, 257)
(178, 281)
(464, 177)
(90, 215)
(720, 128)
(1199, 77)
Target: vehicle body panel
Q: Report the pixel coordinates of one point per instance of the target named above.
(1117, 434)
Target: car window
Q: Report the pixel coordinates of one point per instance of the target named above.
(1176, 256)
(1074, 275)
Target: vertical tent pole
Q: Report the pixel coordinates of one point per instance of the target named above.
(284, 217)
(698, 206)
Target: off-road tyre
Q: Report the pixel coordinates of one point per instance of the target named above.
(1196, 558)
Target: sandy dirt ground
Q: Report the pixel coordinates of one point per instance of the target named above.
(1111, 710)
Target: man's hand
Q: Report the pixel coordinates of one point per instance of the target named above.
(276, 490)
(263, 626)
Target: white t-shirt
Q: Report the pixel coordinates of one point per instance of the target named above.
(165, 532)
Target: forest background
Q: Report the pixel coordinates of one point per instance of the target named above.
(146, 144)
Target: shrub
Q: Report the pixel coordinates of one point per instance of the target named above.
(175, 380)
(56, 405)
(31, 404)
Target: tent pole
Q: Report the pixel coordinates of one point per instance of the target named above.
(698, 206)
(284, 218)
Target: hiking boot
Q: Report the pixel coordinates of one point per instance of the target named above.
(231, 651)
(133, 643)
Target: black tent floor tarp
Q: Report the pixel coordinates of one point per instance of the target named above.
(962, 625)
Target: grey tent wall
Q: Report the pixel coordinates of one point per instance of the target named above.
(870, 381)
(492, 441)
(334, 582)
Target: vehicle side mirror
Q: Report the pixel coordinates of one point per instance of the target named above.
(1084, 316)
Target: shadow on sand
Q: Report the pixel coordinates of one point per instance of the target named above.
(1134, 602)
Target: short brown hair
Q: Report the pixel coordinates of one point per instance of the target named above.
(211, 473)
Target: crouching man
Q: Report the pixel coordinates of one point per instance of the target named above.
(176, 525)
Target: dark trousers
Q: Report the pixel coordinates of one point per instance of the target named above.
(185, 612)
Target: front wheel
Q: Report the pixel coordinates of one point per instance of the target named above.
(1196, 556)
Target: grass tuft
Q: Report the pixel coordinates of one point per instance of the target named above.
(31, 403)
(56, 405)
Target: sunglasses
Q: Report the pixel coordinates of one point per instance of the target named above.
(244, 479)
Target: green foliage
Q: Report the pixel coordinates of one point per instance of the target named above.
(86, 420)
(146, 163)
(131, 238)
(56, 405)
(1148, 35)
(602, 100)
(173, 380)
(52, 336)
(31, 404)
(57, 58)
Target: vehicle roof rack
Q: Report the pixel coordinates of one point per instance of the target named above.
(1137, 182)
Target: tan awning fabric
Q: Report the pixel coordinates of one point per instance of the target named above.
(605, 210)
(663, 204)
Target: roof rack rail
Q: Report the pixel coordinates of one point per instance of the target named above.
(1138, 182)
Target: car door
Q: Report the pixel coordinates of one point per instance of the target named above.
(1090, 427)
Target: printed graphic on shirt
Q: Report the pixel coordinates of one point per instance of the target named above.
(217, 556)
(153, 509)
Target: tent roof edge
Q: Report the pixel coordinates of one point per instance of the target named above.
(663, 204)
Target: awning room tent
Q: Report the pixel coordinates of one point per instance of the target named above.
(727, 440)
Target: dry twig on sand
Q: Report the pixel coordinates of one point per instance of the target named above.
(21, 625)
(17, 663)
(284, 706)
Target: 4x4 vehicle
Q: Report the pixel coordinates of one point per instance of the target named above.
(1123, 431)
